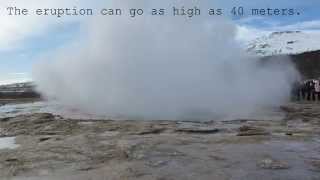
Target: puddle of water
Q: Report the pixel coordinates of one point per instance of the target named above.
(8, 143)
(86, 123)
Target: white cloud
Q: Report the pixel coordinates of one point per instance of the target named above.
(306, 25)
(15, 29)
(247, 33)
(14, 78)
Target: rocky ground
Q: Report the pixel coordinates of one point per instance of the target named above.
(54, 148)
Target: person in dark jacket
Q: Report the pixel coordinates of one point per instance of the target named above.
(303, 89)
(296, 89)
(310, 90)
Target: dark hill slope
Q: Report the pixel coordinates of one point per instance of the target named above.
(308, 63)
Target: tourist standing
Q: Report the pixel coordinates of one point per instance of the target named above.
(317, 89)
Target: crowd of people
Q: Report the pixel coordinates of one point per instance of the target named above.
(307, 90)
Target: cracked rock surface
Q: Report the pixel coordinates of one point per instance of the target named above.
(52, 147)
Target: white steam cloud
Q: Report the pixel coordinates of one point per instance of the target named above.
(162, 68)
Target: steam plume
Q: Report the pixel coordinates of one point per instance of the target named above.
(162, 68)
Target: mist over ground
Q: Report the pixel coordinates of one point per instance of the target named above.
(164, 67)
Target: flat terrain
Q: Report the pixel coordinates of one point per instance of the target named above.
(39, 146)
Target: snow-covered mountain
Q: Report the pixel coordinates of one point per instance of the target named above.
(286, 42)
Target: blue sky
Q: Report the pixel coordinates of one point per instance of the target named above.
(23, 40)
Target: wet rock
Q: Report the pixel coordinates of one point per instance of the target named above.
(4, 119)
(217, 158)
(199, 130)
(289, 133)
(269, 163)
(37, 124)
(151, 131)
(252, 131)
(12, 160)
(196, 128)
(131, 150)
(86, 168)
(157, 163)
(50, 132)
(42, 139)
(290, 109)
(315, 165)
(43, 118)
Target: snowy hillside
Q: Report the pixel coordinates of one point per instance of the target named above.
(287, 42)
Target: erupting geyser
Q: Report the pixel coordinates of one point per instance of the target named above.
(164, 67)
